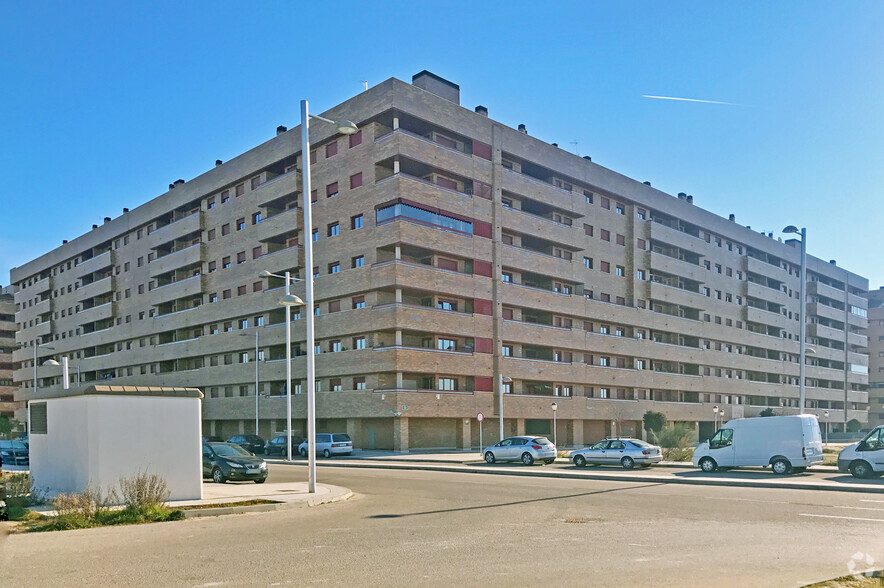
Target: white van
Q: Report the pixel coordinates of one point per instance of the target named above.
(866, 458)
(789, 444)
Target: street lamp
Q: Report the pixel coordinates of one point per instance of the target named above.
(256, 377)
(801, 312)
(501, 380)
(345, 127)
(826, 414)
(715, 417)
(555, 407)
(289, 300)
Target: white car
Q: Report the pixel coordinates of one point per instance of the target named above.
(625, 452)
(329, 444)
(526, 449)
(866, 458)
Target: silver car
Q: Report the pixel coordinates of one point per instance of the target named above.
(329, 444)
(623, 452)
(525, 449)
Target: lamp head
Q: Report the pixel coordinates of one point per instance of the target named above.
(291, 300)
(555, 406)
(507, 380)
(792, 229)
(347, 127)
(265, 274)
(51, 362)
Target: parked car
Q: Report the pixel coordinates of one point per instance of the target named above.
(252, 443)
(24, 439)
(212, 439)
(228, 461)
(526, 449)
(866, 458)
(14, 453)
(788, 444)
(277, 445)
(625, 452)
(329, 444)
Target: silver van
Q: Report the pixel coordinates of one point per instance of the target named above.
(329, 444)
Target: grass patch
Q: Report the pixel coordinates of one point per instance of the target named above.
(863, 581)
(36, 523)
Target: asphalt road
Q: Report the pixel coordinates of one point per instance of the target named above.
(407, 528)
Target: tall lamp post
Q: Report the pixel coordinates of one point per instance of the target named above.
(288, 301)
(501, 380)
(801, 312)
(555, 407)
(715, 417)
(826, 414)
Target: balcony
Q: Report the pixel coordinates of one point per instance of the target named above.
(96, 313)
(858, 340)
(97, 263)
(190, 255)
(40, 330)
(96, 288)
(857, 321)
(277, 188)
(825, 311)
(766, 317)
(676, 238)
(538, 189)
(824, 332)
(769, 294)
(176, 229)
(180, 289)
(673, 295)
(531, 224)
(677, 267)
(276, 225)
(757, 266)
(815, 288)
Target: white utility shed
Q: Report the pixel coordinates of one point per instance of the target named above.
(101, 433)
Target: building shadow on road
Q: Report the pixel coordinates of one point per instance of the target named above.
(513, 503)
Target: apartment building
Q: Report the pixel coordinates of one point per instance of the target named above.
(453, 254)
(7, 346)
(876, 357)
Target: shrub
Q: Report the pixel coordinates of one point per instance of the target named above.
(676, 441)
(143, 491)
(654, 422)
(82, 510)
(854, 425)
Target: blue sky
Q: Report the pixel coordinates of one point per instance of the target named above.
(103, 104)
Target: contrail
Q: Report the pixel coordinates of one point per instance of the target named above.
(691, 100)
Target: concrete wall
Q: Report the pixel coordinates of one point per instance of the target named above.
(98, 439)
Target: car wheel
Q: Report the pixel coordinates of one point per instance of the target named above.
(627, 462)
(218, 476)
(860, 469)
(580, 461)
(303, 453)
(527, 459)
(708, 465)
(781, 467)
(260, 480)
(326, 453)
(489, 457)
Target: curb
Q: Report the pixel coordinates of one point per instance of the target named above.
(339, 495)
(613, 477)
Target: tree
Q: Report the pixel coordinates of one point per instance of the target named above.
(854, 425)
(7, 426)
(654, 422)
(767, 412)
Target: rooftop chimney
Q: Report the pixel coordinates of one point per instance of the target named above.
(832, 261)
(125, 210)
(171, 186)
(587, 158)
(690, 199)
(281, 129)
(731, 218)
(218, 162)
(106, 219)
(646, 183)
(94, 226)
(438, 86)
(523, 129)
(64, 241)
(179, 181)
(682, 195)
(748, 227)
(555, 144)
(482, 110)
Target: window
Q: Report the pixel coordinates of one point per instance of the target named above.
(225, 262)
(355, 180)
(506, 277)
(587, 262)
(606, 235)
(640, 244)
(331, 190)
(356, 139)
(213, 297)
(225, 229)
(621, 240)
(605, 203)
(334, 267)
(240, 190)
(619, 270)
(427, 217)
(256, 218)
(240, 224)
(507, 350)
(140, 262)
(314, 195)
(447, 384)
(259, 321)
(587, 229)
(641, 213)
(240, 290)
(226, 294)
(358, 261)
(225, 196)
(446, 344)
(244, 324)
(331, 149)
(334, 306)
(587, 195)
(315, 235)
(443, 304)
(717, 268)
(211, 237)
(358, 302)
(356, 222)
(241, 257)
(210, 203)
(257, 252)
(620, 209)
(255, 182)
(604, 362)
(334, 230)
(358, 342)
(213, 266)
(334, 346)
(640, 274)
(605, 267)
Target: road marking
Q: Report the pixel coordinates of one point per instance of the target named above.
(837, 517)
(867, 500)
(861, 508)
(746, 499)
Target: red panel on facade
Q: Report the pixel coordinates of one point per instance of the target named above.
(483, 345)
(481, 229)
(483, 383)
(482, 190)
(447, 264)
(482, 268)
(481, 306)
(482, 150)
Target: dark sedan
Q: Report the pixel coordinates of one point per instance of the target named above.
(14, 453)
(228, 461)
(277, 445)
(252, 443)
